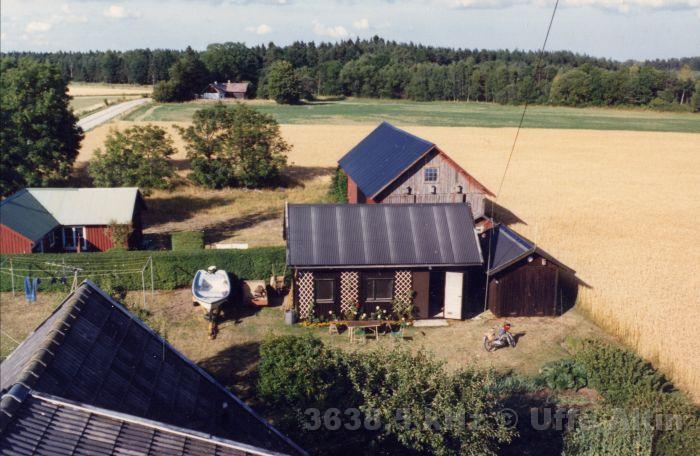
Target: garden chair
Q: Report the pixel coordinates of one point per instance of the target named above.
(358, 334)
(400, 331)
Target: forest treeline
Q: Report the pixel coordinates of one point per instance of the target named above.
(387, 69)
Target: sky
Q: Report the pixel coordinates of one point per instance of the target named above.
(617, 29)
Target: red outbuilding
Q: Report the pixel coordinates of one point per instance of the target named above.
(70, 220)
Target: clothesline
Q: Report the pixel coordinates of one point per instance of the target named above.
(85, 274)
(67, 269)
(74, 263)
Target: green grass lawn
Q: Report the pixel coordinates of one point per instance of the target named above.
(446, 114)
(233, 356)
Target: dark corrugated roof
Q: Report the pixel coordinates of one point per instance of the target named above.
(24, 214)
(507, 247)
(382, 156)
(381, 235)
(93, 351)
(32, 423)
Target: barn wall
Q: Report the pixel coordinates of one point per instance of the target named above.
(355, 195)
(449, 177)
(98, 238)
(13, 242)
(352, 191)
(525, 289)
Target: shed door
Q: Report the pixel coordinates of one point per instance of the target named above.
(454, 284)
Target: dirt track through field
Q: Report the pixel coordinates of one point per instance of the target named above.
(621, 208)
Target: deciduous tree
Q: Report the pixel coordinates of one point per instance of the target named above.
(137, 157)
(283, 83)
(236, 146)
(39, 138)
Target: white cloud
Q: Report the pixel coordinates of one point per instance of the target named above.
(337, 31)
(262, 29)
(362, 24)
(69, 16)
(119, 12)
(614, 5)
(38, 27)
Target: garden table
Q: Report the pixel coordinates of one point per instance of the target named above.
(372, 325)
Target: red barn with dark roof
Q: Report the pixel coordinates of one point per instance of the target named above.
(391, 165)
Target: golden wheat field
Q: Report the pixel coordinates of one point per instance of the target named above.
(621, 208)
(85, 89)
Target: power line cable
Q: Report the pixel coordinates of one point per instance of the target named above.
(512, 148)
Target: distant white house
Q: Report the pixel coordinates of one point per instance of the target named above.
(221, 90)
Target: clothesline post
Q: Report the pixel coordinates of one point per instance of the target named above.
(12, 278)
(143, 286)
(153, 292)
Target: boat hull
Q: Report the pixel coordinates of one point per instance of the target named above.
(211, 290)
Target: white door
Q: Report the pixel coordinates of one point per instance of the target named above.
(454, 284)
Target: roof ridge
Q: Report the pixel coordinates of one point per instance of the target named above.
(406, 132)
(517, 237)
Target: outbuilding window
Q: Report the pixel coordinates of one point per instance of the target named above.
(74, 235)
(430, 174)
(379, 289)
(324, 289)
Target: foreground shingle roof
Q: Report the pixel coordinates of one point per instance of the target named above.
(506, 247)
(382, 156)
(93, 351)
(24, 214)
(410, 235)
(34, 423)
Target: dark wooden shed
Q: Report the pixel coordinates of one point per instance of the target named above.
(360, 257)
(523, 280)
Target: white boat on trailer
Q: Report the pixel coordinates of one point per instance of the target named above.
(211, 288)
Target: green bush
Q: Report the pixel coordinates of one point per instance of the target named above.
(338, 191)
(665, 421)
(608, 431)
(435, 406)
(187, 240)
(563, 374)
(171, 269)
(618, 374)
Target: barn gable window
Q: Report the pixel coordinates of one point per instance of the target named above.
(430, 174)
(379, 288)
(324, 289)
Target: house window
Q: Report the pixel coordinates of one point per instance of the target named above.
(430, 174)
(379, 289)
(52, 238)
(324, 290)
(72, 235)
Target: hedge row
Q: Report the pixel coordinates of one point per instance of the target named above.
(171, 269)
